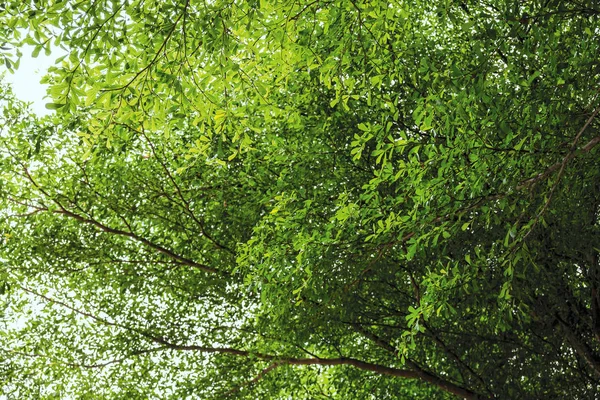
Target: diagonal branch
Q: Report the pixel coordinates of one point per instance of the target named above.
(458, 360)
(569, 156)
(562, 165)
(64, 211)
(158, 52)
(580, 347)
(140, 239)
(257, 378)
(574, 151)
(419, 371)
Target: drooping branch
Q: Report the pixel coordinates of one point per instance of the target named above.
(140, 239)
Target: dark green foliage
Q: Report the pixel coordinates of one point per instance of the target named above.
(307, 200)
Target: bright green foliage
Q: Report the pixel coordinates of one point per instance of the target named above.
(339, 199)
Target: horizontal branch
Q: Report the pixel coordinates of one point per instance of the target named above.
(418, 373)
(97, 365)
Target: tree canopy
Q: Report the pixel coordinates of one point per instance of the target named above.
(329, 199)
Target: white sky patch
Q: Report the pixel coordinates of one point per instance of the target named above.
(26, 80)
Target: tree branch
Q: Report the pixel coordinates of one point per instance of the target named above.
(186, 204)
(64, 211)
(580, 347)
(420, 372)
(416, 373)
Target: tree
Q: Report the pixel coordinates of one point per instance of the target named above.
(326, 199)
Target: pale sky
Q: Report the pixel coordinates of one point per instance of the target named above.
(26, 80)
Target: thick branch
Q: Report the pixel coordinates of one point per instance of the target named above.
(420, 372)
(580, 347)
(553, 168)
(416, 373)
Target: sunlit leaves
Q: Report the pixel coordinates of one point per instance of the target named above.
(408, 185)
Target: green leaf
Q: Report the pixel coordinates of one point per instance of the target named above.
(54, 106)
(363, 127)
(36, 51)
(200, 189)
